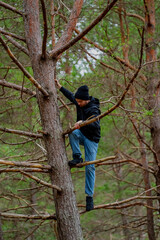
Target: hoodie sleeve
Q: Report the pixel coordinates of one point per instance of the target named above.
(68, 95)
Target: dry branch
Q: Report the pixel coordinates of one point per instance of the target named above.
(22, 216)
(12, 35)
(65, 105)
(17, 87)
(23, 133)
(122, 204)
(13, 9)
(25, 164)
(45, 30)
(60, 50)
(41, 181)
(67, 34)
(95, 161)
(26, 73)
(37, 170)
(18, 45)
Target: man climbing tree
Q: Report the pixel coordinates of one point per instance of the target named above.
(88, 136)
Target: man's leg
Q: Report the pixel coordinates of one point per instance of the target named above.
(90, 155)
(75, 139)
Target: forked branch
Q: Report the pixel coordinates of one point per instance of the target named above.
(56, 52)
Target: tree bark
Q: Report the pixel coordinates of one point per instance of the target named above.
(68, 222)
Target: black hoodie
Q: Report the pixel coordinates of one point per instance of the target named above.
(91, 131)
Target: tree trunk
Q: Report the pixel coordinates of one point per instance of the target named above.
(153, 92)
(1, 232)
(153, 86)
(68, 222)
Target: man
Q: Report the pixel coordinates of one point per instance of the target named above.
(88, 136)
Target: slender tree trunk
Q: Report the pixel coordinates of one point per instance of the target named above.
(153, 86)
(68, 222)
(153, 95)
(146, 177)
(1, 232)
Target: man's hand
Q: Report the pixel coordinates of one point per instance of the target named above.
(58, 85)
(77, 124)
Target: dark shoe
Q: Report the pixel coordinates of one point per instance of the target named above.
(75, 161)
(89, 203)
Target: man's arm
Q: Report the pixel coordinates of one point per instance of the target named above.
(66, 92)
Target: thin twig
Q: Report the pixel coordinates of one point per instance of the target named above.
(41, 181)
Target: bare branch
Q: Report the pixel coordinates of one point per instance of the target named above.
(17, 87)
(67, 34)
(12, 35)
(37, 170)
(53, 23)
(61, 100)
(26, 73)
(13, 9)
(95, 161)
(25, 164)
(16, 44)
(19, 132)
(41, 181)
(122, 203)
(45, 30)
(60, 50)
(22, 216)
(102, 63)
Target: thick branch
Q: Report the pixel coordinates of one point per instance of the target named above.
(25, 164)
(13, 9)
(95, 161)
(67, 34)
(60, 50)
(17, 87)
(26, 73)
(23, 133)
(45, 30)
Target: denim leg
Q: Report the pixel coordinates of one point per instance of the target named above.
(90, 155)
(76, 138)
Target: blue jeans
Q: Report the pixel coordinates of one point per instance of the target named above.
(77, 138)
